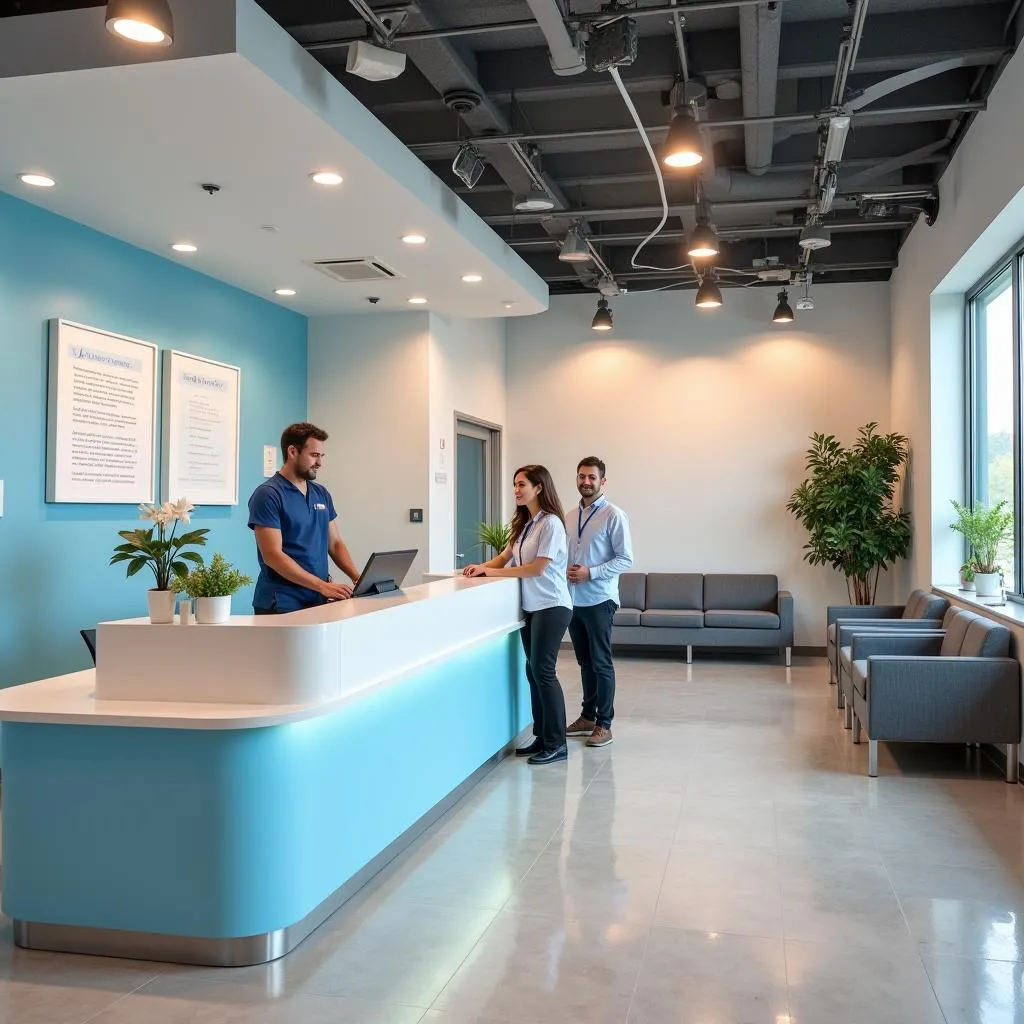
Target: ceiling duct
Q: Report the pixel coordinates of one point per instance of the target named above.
(564, 52)
(760, 30)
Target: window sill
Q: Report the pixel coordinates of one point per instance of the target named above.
(1010, 612)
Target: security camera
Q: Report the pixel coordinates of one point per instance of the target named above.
(373, 299)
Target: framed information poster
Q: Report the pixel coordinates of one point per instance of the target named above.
(201, 410)
(100, 417)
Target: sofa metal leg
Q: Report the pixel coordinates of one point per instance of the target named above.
(848, 715)
(689, 654)
(1012, 761)
(873, 758)
(789, 657)
(856, 729)
(840, 700)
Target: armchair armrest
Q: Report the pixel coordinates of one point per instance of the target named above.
(862, 611)
(846, 628)
(903, 643)
(944, 699)
(785, 613)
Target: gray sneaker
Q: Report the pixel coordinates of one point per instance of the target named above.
(581, 727)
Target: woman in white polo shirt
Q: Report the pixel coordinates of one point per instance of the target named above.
(538, 555)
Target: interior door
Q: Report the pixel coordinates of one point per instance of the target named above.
(474, 454)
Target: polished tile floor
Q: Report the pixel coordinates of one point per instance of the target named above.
(725, 861)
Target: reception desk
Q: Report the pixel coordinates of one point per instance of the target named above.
(211, 794)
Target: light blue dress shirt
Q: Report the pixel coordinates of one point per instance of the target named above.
(543, 537)
(599, 539)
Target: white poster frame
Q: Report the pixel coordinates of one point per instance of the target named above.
(58, 428)
(171, 486)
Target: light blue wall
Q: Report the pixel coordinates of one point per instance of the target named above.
(54, 577)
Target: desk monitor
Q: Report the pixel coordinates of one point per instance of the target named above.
(384, 572)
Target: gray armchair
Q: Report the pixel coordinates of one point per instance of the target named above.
(921, 609)
(960, 685)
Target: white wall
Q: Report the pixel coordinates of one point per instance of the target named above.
(703, 419)
(368, 389)
(467, 376)
(981, 216)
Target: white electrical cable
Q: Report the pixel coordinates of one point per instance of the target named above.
(614, 72)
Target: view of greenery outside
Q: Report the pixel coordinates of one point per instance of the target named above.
(994, 407)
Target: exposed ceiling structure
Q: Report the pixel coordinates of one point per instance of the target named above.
(764, 80)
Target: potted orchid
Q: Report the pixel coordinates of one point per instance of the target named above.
(163, 552)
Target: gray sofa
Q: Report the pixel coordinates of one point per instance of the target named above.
(960, 684)
(692, 609)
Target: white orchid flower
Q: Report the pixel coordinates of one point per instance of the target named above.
(147, 512)
(183, 510)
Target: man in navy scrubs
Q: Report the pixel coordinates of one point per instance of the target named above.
(296, 530)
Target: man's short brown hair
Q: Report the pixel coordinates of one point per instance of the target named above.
(298, 434)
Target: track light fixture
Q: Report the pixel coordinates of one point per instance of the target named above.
(783, 311)
(603, 317)
(141, 21)
(683, 146)
(575, 248)
(703, 241)
(709, 295)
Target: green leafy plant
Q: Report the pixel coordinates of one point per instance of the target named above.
(984, 529)
(847, 505)
(968, 569)
(165, 552)
(495, 535)
(218, 579)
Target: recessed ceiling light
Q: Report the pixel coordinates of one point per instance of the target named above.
(39, 180)
(185, 247)
(141, 21)
(287, 292)
(508, 305)
(327, 178)
(414, 239)
(417, 300)
(472, 278)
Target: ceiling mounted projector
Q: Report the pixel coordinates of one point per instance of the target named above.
(814, 236)
(374, 63)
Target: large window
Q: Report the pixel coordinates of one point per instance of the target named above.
(994, 360)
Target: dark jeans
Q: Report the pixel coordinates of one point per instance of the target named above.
(591, 634)
(542, 636)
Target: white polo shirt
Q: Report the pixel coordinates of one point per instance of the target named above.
(543, 537)
(599, 539)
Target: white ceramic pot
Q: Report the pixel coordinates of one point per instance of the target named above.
(211, 610)
(161, 605)
(966, 585)
(986, 584)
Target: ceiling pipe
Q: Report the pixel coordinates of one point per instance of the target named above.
(564, 53)
(760, 33)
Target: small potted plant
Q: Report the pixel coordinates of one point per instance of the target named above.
(494, 535)
(967, 571)
(164, 553)
(984, 529)
(211, 587)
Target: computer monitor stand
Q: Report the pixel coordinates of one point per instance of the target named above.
(381, 587)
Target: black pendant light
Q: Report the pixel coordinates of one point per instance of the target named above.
(703, 241)
(709, 295)
(602, 318)
(142, 21)
(683, 147)
(783, 311)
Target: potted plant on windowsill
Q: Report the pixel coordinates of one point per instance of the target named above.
(164, 553)
(212, 587)
(967, 571)
(984, 529)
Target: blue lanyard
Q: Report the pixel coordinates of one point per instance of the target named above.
(526, 533)
(581, 523)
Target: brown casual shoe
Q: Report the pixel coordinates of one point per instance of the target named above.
(581, 727)
(600, 737)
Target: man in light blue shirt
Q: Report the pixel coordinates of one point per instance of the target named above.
(600, 550)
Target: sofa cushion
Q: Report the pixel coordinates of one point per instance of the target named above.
(956, 630)
(985, 639)
(675, 591)
(632, 590)
(922, 605)
(673, 618)
(626, 617)
(741, 619)
(747, 591)
(859, 673)
(845, 659)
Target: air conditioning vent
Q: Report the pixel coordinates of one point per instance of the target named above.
(355, 271)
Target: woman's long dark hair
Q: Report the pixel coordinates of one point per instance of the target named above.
(548, 497)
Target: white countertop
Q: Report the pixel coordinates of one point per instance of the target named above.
(345, 651)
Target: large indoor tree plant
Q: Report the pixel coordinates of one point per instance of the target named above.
(847, 505)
